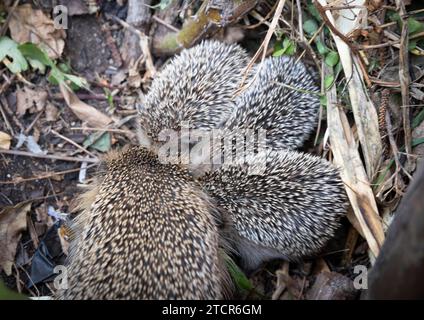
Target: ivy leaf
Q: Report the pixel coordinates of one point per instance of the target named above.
(332, 58)
(287, 47)
(102, 144)
(328, 81)
(310, 26)
(414, 26)
(322, 49)
(31, 51)
(9, 48)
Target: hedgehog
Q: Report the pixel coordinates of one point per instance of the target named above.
(281, 98)
(195, 89)
(154, 229)
(283, 204)
(146, 231)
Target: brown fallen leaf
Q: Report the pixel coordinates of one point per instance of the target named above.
(5, 140)
(52, 112)
(27, 98)
(12, 222)
(82, 110)
(31, 25)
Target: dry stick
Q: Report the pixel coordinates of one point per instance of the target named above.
(143, 42)
(27, 130)
(263, 48)
(299, 13)
(46, 176)
(47, 156)
(405, 81)
(166, 24)
(3, 101)
(73, 143)
(6, 121)
(101, 129)
(6, 23)
(392, 141)
(261, 20)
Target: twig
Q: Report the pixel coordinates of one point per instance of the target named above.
(27, 130)
(393, 145)
(263, 48)
(6, 121)
(300, 20)
(49, 175)
(6, 23)
(73, 143)
(5, 105)
(162, 22)
(405, 80)
(47, 156)
(101, 129)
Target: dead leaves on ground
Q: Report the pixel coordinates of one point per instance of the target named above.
(27, 98)
(13, 221)
(30, 25)
(5, 140)
(82, 110)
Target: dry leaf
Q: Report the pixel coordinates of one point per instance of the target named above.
(31, 25)
(364, 111)
(84, 111)
(12, 222)
(352, 171)
(51, 112)
(5, 140)
(27, 98)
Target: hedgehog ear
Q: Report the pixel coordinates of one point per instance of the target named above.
(289, 210)
(282, 98)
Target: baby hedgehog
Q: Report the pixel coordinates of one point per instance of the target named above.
(289, 208)
(146, 231)
(282, 99)
(194, 89)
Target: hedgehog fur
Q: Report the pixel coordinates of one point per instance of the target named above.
(147, 231)
(195, 88)
(283, 100)
(288, 210)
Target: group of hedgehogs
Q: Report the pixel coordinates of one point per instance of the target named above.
(148, 229)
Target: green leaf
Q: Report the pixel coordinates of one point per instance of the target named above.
(287, 47)
(9, 48)
(332, 58)
(30, 50)
(64, 67)
(109, 96)
(417, 141)
(328, 81)
(314, 12)
(338, 68)
(323, 100)
(418, 119)
(414, 26)
(37, 65)
(238, 276)
(79, 82)
(310, 26)
(102, 144)
(56, 76)
(322, 49)
(7, 294)
(412, 44)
